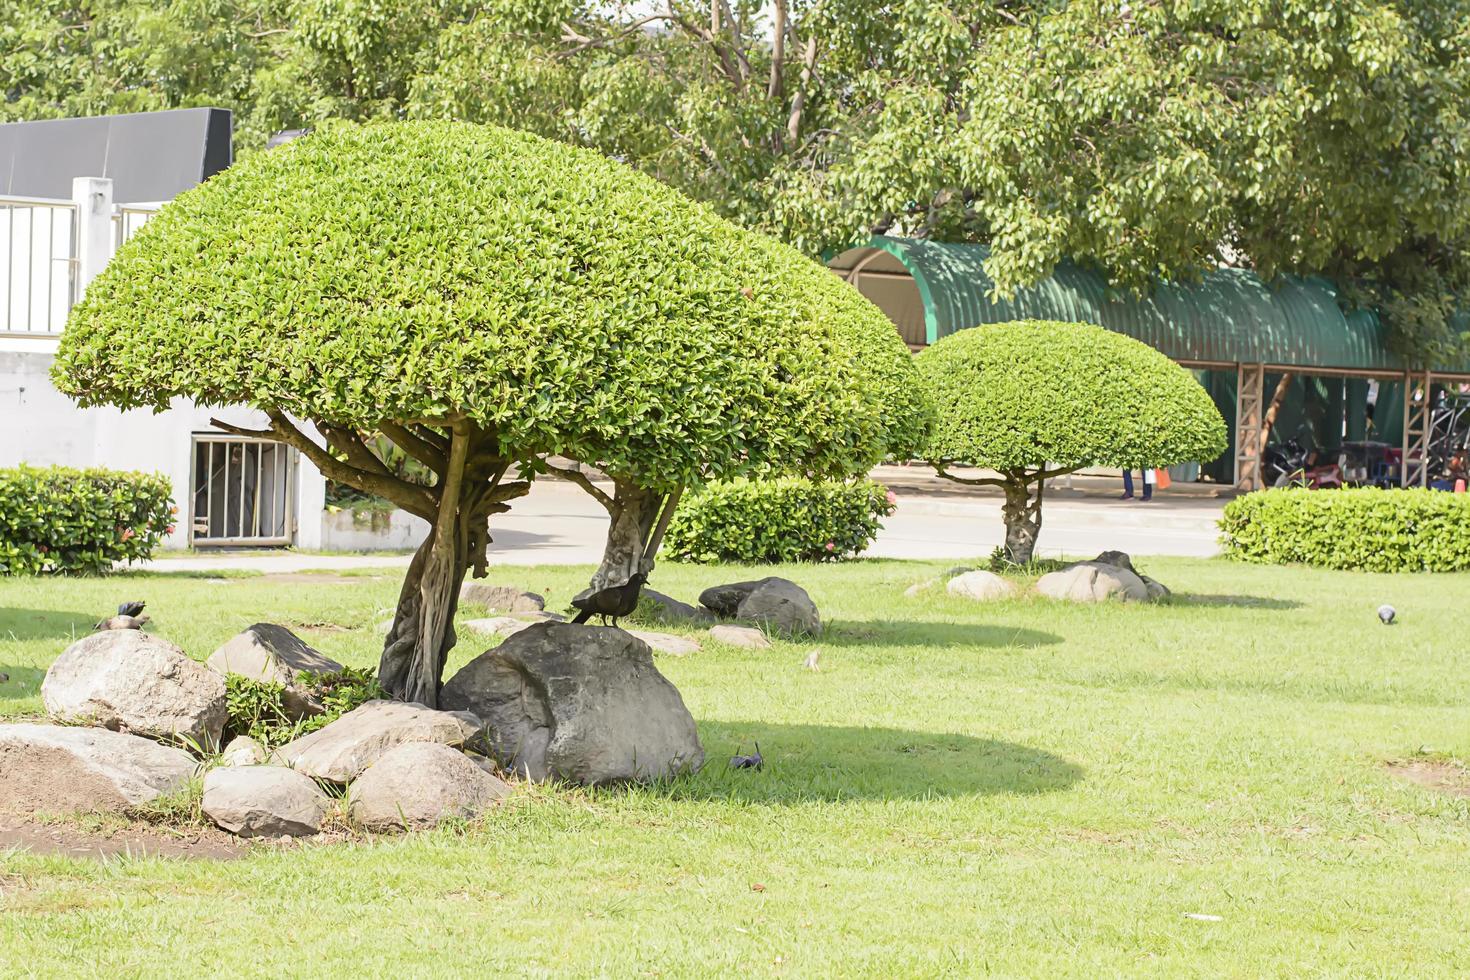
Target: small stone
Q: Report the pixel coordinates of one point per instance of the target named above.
(740, 636)
(274, 655)
(242, 751)
(127, 680)
(497, 625)
(954, 570)
(417, 785)
(501, 598)
(340, 751)
(60, 768)
(980, 585)
(264, 801)
(676, 646)
(1157, 591)
(919, 588)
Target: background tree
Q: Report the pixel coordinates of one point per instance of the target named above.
(1033, 399)
(485, 299)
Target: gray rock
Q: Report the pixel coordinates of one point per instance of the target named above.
(1157, 592)
(242, 751)
(740, 636)
(57, 768)
(340, 751)
(1090, 581)
(264, 801)
(671, 610)
(501, 598)
(273, 654)
(984, 586)
(126, 680)
(919, 588)
(677, 646)
(420, 784)
(724, 600)
(954, 570)
(781, 606)
(497, 625)
(1118, 559)
(581, 703)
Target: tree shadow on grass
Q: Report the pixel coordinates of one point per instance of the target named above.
(908, 633)
(820, 763)
(45, 624)
(1233, 601)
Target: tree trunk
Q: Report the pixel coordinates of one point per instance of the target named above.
(422, 635)
(1022, 514)
(634, 513)
(1269, 422)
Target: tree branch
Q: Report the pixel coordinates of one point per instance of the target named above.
(941, 470)
(418, 448)
(350, 444)
(778, 52)
(581, 480)
(798, 99)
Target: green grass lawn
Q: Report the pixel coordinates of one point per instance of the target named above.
(1024, 788)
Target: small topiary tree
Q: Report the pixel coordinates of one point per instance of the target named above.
(486, 299)
(1035, 399)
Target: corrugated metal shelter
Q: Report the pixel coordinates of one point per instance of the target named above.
(1230, 320)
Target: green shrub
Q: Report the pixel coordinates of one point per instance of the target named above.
(79, 521)
(1369, 529)
(258, 709)
(779, 520)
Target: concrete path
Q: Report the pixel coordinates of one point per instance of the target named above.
(558, 524)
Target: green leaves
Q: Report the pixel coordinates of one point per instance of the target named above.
(1369, 529)
(1017, 396)
(79, 521)
(776, 521)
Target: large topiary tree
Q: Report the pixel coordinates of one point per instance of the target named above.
(486, 300)
(1034, 399)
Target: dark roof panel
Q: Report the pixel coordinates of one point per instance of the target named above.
(150, 156)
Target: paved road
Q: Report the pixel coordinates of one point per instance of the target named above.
(558, 524)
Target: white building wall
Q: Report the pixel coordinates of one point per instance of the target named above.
(42, 427)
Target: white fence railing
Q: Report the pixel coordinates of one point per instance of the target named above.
(41, 274)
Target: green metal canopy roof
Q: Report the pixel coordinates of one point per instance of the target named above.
(1231, 316)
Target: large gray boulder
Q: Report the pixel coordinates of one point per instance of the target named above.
(264, 801)
(340, 751)
(725, 600)
(501, 598)
(419, 784)
(980, 585)
(61, 769)
(581, 703)
(273, 654)
(1093, 581)
(129, 681)
(780, 606)
(671, 610)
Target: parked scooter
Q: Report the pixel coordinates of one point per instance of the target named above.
(1298, 465)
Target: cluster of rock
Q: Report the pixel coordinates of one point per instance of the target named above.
(1110, 575)
(554, 700)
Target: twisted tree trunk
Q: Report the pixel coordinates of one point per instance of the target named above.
(1022, 515)
(638, 519)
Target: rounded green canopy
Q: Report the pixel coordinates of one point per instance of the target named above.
(560, 301)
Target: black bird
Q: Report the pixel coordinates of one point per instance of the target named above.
(748, 761)
(614, 601)
(129, 617)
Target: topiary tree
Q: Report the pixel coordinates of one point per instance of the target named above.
(484, 299)
(1034, 399)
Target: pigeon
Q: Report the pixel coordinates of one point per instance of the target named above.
(812, 660)
(614, 601)
(748, 761)
(1386, 615)
(4, 677)
(129, 617)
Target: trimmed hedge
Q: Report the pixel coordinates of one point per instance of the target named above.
(1369, 529)
(781, 520)
(79, 521)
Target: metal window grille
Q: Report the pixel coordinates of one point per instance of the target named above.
(241, 492)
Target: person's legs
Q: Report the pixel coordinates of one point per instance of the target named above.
(1148, 485)
(1127, 485)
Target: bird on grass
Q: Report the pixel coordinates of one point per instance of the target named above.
(614, 601)
(1386, 615)
(129, 617)
(755, 761)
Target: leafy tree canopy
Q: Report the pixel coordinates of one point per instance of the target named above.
(1151, 138)
(1033, 394)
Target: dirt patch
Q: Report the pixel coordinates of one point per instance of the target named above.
(320, 627)
(1442, 776)
(132, 839)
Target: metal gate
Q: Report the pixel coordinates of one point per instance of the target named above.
(242, 491)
